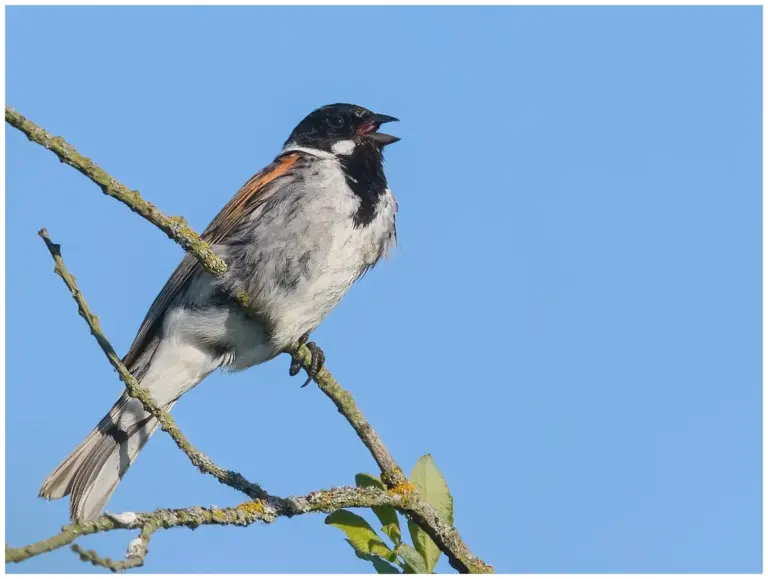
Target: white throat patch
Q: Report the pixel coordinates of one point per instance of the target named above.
(343, 147)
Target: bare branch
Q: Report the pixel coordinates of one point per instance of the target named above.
(133, 558)
(167, 423)
(176, 228)
(392, 475)
(445, 536)
(137, 549)
(324, 501)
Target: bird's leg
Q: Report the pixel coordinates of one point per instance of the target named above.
(315, 364)
(295, 360)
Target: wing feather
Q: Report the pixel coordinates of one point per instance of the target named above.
(250, 195)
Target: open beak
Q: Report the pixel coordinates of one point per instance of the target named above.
(372, 130)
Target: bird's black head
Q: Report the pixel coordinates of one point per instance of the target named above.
(339, 128)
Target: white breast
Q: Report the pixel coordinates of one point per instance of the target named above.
(306, 252)
(342, 253)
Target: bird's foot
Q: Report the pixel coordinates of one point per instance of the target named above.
(316, 362)
(295, 360)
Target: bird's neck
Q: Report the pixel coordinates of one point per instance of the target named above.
(364, 171)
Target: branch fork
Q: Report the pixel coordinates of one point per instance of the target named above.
(401, 494)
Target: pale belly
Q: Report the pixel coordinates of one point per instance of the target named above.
(295, 268)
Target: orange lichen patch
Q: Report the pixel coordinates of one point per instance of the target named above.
(404, 488)
(252, 507)
(393, 477)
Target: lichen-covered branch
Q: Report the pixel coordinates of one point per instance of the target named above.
(134, 556)
(174, 227)
(445, 536)
(167, 423)
(266, 510)
(189, 240)
(392, 475)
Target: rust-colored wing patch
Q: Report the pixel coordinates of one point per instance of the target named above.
(250, 195)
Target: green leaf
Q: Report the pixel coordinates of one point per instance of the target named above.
(424, 546)
(381, 566)
(365, 480)
(359, 533)
(432, 488)
(414, 563)
(390, 524)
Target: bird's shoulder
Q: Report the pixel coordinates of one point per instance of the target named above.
(255, 192)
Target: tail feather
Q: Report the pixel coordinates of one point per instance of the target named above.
(92, 472)
(59, 483)
(87, 499)
(94, 469)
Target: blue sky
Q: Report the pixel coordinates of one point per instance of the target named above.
(571, 325)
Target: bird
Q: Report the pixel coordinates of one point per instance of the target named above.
(295, 238)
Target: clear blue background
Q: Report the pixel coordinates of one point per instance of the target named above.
(571, 326)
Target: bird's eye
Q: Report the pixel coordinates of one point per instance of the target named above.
(336, 122)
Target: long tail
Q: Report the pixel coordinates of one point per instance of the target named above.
(166, 369)
(92, 472)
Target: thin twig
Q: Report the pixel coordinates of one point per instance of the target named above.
(392, 475)
(91, 556)
(134, 555)
(324, 501)
(167, 423)
(176, 228)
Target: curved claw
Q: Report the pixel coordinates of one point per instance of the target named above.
(315, 365)
(295, 367)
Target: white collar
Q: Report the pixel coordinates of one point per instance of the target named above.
(290, 147)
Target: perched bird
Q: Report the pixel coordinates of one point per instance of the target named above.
(296, 237)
